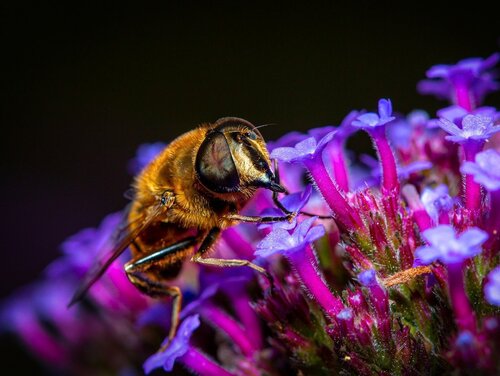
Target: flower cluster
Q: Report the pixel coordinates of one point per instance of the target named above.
(389, 268)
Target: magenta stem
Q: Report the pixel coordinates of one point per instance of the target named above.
(390, 180)
(241, 246)
(463, 96)
(304, 263)
(472, 189)
(493, 223)
(422, 218)
(335, 200)
(247, 316)
(464, 316)
(336, 155)
(228, 325)
(201, 364)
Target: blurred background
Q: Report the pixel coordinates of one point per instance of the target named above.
(83, 86)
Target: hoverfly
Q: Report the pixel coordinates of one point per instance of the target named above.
(184, 198)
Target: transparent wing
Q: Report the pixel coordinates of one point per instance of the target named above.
(124, 240)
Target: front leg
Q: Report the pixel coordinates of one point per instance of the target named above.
(257, 219)
(207, 244)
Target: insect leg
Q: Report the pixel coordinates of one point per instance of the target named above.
(280, 205)
(205, 246)
(257, 219)
(138, 274)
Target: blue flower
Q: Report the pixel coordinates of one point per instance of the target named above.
(305, 149)
(280, 240)
(444, 245)
(177, 348)
(344, 130)
(492, 288)
(456, 113)
(472, 71)
(474, 127)
(144, 155)
(486, 169)
(436, 200)
(372, 120)
(367, 277)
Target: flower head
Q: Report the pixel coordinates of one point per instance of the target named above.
(436, 200)
(473, 72)
(305, 149)
(177, 348)
(474, 127)
(485, 169)
(445, 246)
(455, 113)
(492, 288)
(367, 277)
(371, 120)
(281, 241)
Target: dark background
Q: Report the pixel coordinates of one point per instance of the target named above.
(83, 86)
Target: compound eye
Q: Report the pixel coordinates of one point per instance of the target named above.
(214, 165)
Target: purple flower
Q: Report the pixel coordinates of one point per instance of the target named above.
(367, 277)
(177, 348)
(456, 113)
(289, 139)
(80, 250)
(436, 201)
(485, 169)
(305, 149)
(281, 241)
(293, 203)
(372, 120)
(447, 247)
(474, 127)
(492, 288)
(144, 155)
(472, 73)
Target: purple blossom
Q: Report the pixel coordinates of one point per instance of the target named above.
(303, 150)
(455, 113)
(492, 287)
(289, 139)
(367, 277)
(81, 250)
(485, 169)
(177, 348)
(436, 200)
(293, 203)
(144, 155)
(372, 120)
(470, 73)
(445, 246)
(474, 127)
(280, 240)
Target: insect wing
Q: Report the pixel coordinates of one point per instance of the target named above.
(100, 267)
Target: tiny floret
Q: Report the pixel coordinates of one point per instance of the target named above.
(485, 169)
(280, 240)
(177, 348)
(436, 201)
(305, 149)
(367, 277)
(447, 247)
(474, 127)
(492, 288)
(371, 120)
